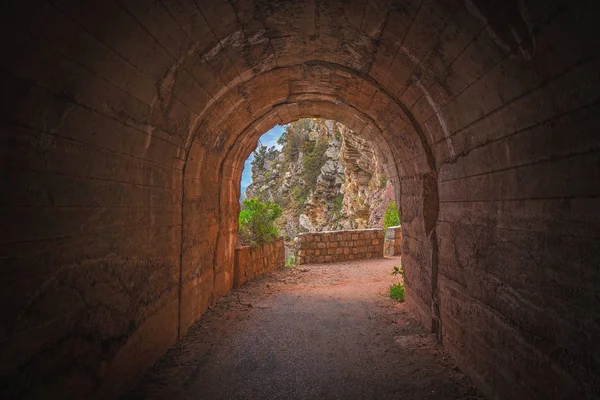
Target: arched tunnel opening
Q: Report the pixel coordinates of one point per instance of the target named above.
(126, 125)
(322, 176)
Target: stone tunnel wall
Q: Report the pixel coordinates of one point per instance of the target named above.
(125, 126)
(337, 246)
(252, 262)
(393, 241)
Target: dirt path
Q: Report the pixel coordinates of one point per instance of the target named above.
(312, 332)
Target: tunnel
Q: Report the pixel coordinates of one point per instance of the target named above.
(126, 125)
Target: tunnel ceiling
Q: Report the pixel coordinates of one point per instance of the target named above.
(126, 125)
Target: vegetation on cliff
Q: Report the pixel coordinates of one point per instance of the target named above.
(257, 222)
(324, 177)
(391, 216)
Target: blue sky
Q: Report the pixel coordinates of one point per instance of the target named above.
(268, 139)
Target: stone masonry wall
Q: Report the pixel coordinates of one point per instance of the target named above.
(335, 246)
(393, 241)
(252, 262)
(126, 124)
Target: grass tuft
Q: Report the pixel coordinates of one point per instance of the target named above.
(290, 262)
(397, 291)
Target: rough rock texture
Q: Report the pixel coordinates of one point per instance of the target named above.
(348, 190)
(304, 177)
(125, 126)
(367, 189)
(336, 246)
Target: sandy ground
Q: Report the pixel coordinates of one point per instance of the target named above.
(310, 332)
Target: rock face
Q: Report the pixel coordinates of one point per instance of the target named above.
(126, 125)
(367, 190)
(325, 177)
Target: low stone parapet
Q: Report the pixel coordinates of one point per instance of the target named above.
(393, 241)
(336, 246)
(252, 262)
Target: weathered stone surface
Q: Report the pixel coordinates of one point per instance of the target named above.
(331, 247)
(125, 126)
(252, 262)
(393, 241)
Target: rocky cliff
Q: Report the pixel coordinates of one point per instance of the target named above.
(325, 177)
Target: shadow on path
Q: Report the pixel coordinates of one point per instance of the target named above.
(311, 332)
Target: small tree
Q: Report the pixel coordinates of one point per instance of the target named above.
(256, 221)
(397, 288)
(391, 216)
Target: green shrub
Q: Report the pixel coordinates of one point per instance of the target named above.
(338, 203)
(383, 180)
(256, 221)
(300, 194)
(290, 261)
(398, 271)
(259, 156)
(397, 291)
(391, 216)
(290, 140)
(314, 159)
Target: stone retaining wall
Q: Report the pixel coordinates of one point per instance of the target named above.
(393, 241)
(252, 262)
(335, 246)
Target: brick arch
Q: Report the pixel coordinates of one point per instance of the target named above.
(226, 175)
(313, 88)
(113, 111)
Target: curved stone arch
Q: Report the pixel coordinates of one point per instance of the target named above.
(386, 118)
(303, 86)
(225, 176)
(248, 139)
(102, 102)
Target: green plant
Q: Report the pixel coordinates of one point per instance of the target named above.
(300, 194)
(383, 180)
(391, 216)
(338, 202)
(290, 261)
(398, 271)
(314, 159)
(256, 221)
(397, 291)
(306, 123)
(290, 140)
(259, 156)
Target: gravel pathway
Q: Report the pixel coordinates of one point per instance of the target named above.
(310, 332)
